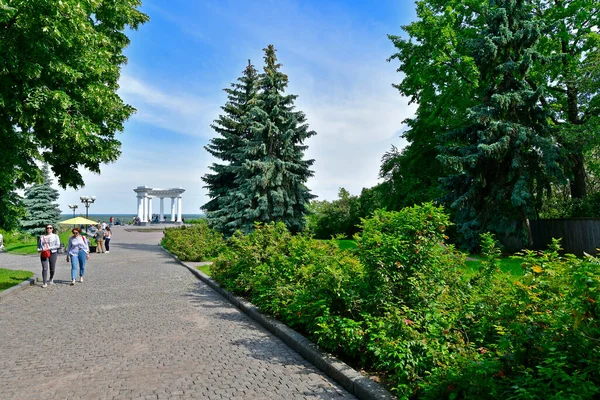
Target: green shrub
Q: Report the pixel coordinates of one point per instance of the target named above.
(401, 305)
(196, 242)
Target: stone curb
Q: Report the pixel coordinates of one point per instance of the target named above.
(11, 291)
(350, 379)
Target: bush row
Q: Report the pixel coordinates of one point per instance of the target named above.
(196, 242)
(402, 306)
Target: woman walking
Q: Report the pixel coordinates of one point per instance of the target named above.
(107, 235)
(48, 245)
(78, 253)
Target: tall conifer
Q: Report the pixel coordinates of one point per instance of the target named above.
(233, 127)
(40, 206)
(269, 183)
(504, 156)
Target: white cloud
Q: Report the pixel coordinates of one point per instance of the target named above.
(173, 110)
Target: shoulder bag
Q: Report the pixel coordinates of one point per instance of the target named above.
(46, 252)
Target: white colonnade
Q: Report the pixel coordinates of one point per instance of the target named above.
(145, 195)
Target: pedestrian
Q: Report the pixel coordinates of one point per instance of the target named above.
(48, 245)
(107, 235)
(99, 235)
(103, 225)
(1, 242)
(111, 220)
(78, 253)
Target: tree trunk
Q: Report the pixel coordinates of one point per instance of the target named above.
(527, 227)
(578, 183)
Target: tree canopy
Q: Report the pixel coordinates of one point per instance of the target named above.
(60, 63)
(514, 83)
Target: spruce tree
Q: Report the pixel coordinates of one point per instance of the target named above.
(503, 157)
(39, 205)
(269, 166)
(233, 126)
(273, 176)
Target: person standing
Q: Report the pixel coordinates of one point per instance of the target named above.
(107, 235)
(99, 240)
(78, 253)
(48, 245)
(111, 221)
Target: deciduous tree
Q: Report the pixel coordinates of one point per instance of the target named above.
(60, 63)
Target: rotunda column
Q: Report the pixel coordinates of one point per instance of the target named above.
(172, 209)
(162, 209)
(179, 208)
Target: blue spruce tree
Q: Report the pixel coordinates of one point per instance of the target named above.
(40, 206)
(233, 127)
(504, 158)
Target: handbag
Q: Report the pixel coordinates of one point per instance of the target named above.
(46, 252)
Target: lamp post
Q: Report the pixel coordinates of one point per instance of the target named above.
(87, 200)
(73, 207)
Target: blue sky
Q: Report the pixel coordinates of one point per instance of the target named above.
(334, 53)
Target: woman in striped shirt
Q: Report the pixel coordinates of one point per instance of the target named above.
(78, 253)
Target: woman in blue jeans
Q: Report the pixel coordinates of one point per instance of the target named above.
(78, 253)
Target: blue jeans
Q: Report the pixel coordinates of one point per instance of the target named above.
(78, 263)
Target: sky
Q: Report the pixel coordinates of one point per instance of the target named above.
(334, 53)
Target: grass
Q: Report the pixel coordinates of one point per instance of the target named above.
(10, 278)
(30, 247)
(204, 268)
(346, 244)
(508, 265)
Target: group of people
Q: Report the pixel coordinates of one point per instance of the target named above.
(78, 251)
(102, 236)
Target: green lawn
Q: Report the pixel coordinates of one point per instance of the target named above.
(508, 265)
(204, 268)
(10, 278)
(346, 244)
(31, 246)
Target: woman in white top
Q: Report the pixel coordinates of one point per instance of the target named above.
(50, 242)
(78, 253)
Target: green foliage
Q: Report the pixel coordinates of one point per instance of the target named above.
(40, 207)
(406, 311)
(339, 217)
(59, 70)
(504, 157)
(196, 242)
(264, 150)
(485, 75)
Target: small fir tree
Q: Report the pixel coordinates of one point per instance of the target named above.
(233, 127)
(39, 205)
(504, 156)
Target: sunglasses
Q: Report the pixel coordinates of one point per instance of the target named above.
(49, 227)
(75, 233)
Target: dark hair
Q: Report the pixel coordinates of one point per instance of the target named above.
(107, 228)
(78, 229)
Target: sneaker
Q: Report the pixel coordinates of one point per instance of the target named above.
(107, 251)
(81, 279)
(51, 282)
(73, 282)
(45, 285)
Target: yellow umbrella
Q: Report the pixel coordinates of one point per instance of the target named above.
(78, 221)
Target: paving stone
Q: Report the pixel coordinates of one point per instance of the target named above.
(141, 327)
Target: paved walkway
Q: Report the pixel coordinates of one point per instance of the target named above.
(141, 327)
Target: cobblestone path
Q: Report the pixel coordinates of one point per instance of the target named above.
(141, 326)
